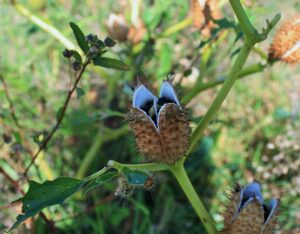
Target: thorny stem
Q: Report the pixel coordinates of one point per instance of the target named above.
(60, 118)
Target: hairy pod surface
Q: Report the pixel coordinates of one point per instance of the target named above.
(286, 42)
(160, 126)
(248, 214)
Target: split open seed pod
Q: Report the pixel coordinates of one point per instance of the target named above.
(247, 213)
(159, 124)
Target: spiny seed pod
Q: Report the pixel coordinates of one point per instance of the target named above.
(117, 27)
(203, 12)
(160, 126)
(286, 43)
(124, 189)
(248, 214)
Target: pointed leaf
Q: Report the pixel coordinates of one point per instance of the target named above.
(80, 38)
(49, 193)
(110, 63)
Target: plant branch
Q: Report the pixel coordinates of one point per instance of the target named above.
(60, 118)
(99, 140)
(251, 38)
(258, 67)
(43, 25)
(182, 178)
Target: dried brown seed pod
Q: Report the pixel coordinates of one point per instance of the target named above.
(160, 125)
(248, 214)
(286, 42)
(117, 27)
(203, 12)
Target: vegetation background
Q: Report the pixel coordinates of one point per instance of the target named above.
(256, 134)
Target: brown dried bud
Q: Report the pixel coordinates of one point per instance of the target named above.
(160, 125)
(117, 27)
(137, 33)
(286, 42)
(203, 12)
(248, 214)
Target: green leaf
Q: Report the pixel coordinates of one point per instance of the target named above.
(135, 177)
(99, 181)
(80, 92)
(49, 193)
(80, 38)
(77, 56)
(110, 63)
(224, 23)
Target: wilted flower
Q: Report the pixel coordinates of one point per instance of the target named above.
(247, 213)
(286, 43)
(117, 27)
(137, 33)
(203, 13)
(160, 125)
(120, 30)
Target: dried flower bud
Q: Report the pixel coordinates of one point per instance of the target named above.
(160, 125)
(117, 27)
(203, 12)
(248, 214)
(76, 66)
(286, 43)
(137, 32)
(67, 53)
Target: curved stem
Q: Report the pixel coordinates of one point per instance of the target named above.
(233, 74)
(182, 178)
(45, 26)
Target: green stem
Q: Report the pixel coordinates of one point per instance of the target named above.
(45, 26)
(182, 178)
(233, 74)
(254, 68)
(243, 19)
(177, 27)
(101, 137)
(139, 167)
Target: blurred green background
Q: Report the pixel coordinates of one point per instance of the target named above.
(256, 134)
